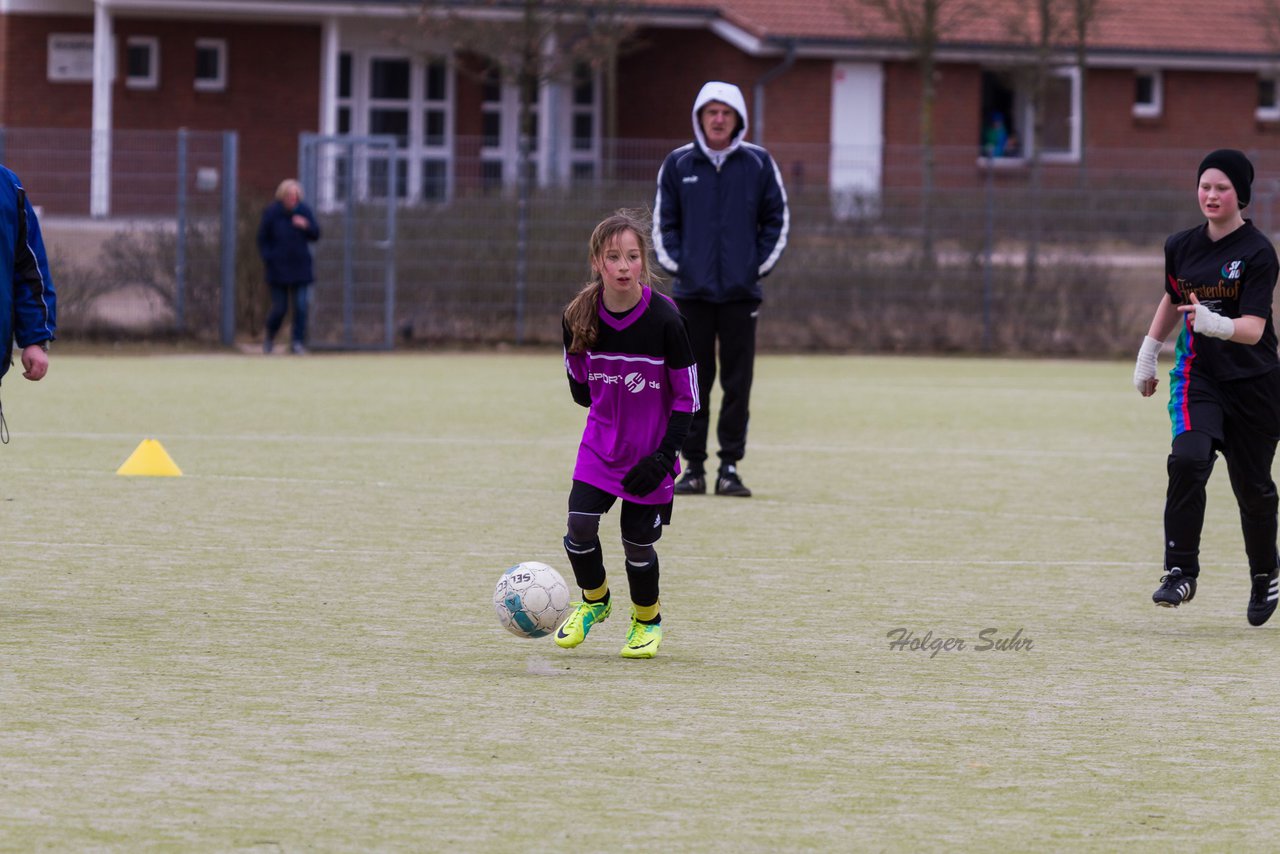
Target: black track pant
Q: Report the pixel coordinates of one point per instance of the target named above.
(1240, 418)
(733, 324)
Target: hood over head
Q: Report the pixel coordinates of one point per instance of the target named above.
(725, 93)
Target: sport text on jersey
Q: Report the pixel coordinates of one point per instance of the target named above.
(635, 382)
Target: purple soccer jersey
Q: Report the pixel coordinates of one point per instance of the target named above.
(640, 370)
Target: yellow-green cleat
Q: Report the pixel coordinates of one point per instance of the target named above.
(642, 639)
(584, 615)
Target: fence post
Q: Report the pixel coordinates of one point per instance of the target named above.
(229, 165)
(988, 241)
(180, 262)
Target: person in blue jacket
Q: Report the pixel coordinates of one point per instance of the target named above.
(720, 223)
(28, 305)
(288, 227)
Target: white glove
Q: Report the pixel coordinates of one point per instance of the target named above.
(1144, 372)
(1209, 322)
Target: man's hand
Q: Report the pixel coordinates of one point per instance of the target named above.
(35, 362)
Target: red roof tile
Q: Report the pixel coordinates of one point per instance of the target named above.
(1221, 30)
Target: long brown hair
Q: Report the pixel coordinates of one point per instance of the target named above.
(583, 312)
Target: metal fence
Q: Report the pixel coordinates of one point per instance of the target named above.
(996, 255)
(145, 246)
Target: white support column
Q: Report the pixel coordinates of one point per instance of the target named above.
(103, 77)
(548, 118)
(330, 40)
(324, 154)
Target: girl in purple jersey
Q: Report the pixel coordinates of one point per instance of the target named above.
(1224, 390)
(628, 359)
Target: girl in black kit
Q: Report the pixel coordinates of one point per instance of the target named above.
(1224, 392)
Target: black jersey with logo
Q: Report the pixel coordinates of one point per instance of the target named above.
(1234, 276)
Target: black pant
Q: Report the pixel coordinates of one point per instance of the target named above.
(734, 325)
(1241, 418)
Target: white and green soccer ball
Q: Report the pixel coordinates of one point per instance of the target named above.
(531, 599)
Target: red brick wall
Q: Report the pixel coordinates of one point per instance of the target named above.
(272, 90)
(1202, 110)
(659, 79)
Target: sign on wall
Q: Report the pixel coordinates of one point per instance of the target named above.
(71, 57)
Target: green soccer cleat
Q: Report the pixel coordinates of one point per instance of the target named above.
(584, 615)
(642, 639)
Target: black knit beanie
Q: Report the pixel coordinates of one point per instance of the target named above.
(1235, 166)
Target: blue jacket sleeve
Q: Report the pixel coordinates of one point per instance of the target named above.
(313, 230)
(775, 220)
(35, 301)
(667, 217)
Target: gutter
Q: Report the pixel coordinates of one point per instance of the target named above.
(757, 107)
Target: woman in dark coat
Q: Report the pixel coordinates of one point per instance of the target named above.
(287, 227)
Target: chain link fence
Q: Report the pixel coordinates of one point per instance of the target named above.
(983, 255)
(144, 247)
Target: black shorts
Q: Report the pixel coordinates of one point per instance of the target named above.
(1230, 412)
(641, 523)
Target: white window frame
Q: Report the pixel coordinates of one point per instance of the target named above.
(1072, 154)
(1271, 112)
(152, 80)
(219, 83)
(590, 154)
(1026, 112)
(1155, 107)
(415, 150)
(422, 150)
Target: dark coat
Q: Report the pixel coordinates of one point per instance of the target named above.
(28, 313)
(283, 246)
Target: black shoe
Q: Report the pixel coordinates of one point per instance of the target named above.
(1176, 588)
(1262, 599)
(728, 483)
(692, 483)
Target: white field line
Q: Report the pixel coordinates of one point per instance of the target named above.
(872, 506)
(502, 555)
(470, 441)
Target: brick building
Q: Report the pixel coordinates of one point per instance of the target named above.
(833, 85)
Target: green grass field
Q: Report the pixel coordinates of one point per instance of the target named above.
(292, 646)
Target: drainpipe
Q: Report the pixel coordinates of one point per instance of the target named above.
(757, 108)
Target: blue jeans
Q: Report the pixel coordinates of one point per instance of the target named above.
(280, 306)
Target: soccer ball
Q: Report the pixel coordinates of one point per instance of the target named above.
(531, 599)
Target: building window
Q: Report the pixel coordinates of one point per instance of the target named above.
(344, 93)
(1148, 94)
(390, 83)
(491, 130)
(142, 62)
(1268, 98)
(211, 65)
(409, 99)
(585, 110)
(1009, 115)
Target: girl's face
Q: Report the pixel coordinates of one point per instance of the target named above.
(1217, 197)
(620, 265)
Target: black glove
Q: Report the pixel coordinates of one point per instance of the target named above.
(647, 475)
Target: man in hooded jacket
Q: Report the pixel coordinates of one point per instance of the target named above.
(720, 223)
(27, 303)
